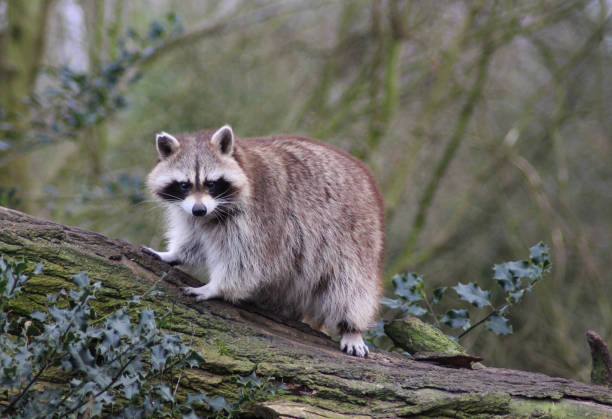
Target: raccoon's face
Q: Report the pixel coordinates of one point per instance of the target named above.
(199, 174)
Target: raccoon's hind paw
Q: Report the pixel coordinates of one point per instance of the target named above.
(203, 293)
(353, 344)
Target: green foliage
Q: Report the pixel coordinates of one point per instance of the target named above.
(7, 130)
(473, 294)
(514, 278)
(12, 278)
(9, 197)
(456, 319)
(411, 289)
(499, 325)
(118, 365)
(75, 100)
(252, 389)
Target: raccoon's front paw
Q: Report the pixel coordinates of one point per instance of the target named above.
(353, 344)
(163, 256)
(150, 251)
(203, 293)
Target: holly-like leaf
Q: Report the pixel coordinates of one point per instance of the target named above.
(409, 287)
(376, 331)
(191, 415)
(38, 315)
(438, 293)
(194, 359)
(473, 294)
(522, 269)
(131, 386)
(392, 303)
(414, 309)
(457, 319)
(119, 321)
(505, 278)
(250, 380)
(499, 325)
(217, 403)
(165, 392)
(538, 254)
(38, 269)
(516, 296)
(81, 280)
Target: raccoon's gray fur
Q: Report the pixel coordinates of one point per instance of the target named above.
(288, 223)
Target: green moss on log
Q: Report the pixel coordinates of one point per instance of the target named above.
(321, 381)
(414, 335)
(601, 372)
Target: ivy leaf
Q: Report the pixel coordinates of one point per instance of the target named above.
(473, 294)
(499, 325)
(457, 319)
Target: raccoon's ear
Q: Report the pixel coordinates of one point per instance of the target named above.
(224, 139)
(166, 144)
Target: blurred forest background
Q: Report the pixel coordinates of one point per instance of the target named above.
(487, 124)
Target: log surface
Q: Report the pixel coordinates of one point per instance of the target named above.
(321, 381)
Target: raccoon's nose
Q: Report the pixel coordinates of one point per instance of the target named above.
(198, 210)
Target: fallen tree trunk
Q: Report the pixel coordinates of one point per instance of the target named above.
(321, 381)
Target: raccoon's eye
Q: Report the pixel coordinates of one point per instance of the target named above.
(218, 188)
(185, 186)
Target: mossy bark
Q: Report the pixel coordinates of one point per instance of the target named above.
(601, 372)
(321, 381)
(414, 335)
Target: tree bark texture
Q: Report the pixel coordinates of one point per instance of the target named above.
(321, 381)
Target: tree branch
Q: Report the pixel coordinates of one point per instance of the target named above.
(239, 340)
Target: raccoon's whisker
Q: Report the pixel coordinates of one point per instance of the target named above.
(147, 202)
(167, 195)
(224, 199)
(150, 205)
(221, 210)
(224, 202)
(226, 194)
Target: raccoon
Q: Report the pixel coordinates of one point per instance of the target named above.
(288, 223)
